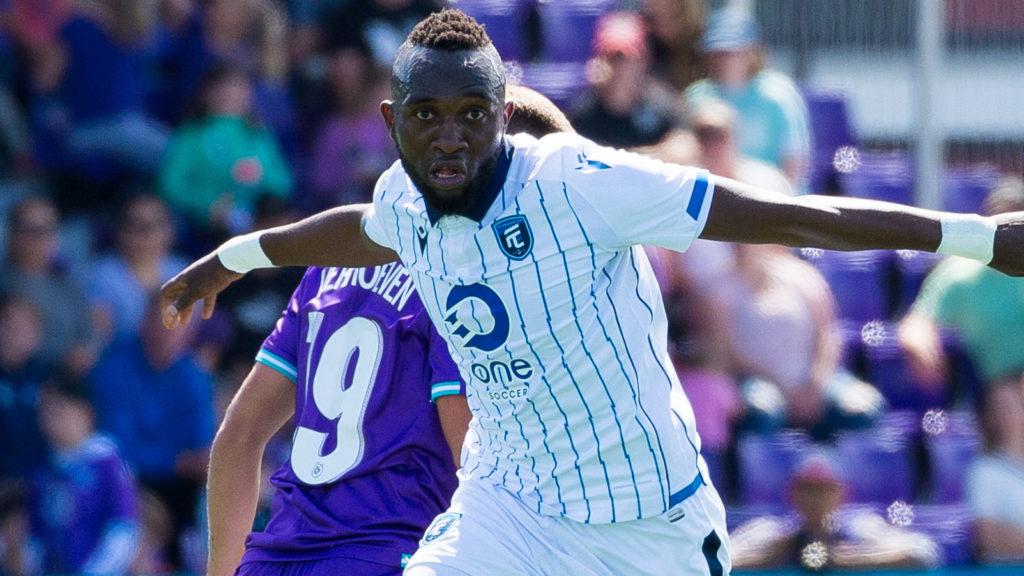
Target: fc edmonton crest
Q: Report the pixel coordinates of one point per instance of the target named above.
(514, 236)
(441, 524)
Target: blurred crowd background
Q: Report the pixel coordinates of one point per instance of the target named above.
(867, 397)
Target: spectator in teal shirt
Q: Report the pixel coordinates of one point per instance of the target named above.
(773, 123)
(220, 161)
(983, 307)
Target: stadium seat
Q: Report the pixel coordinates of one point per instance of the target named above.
(567, 27)
(506, 22)
(765, 464)
(949, 454)
(881, 176)
(830, 131)
(886, 366)
(878, 465)
(949, 525)
(964, 188)
(859, 281)
(912, 266)
(559, 81)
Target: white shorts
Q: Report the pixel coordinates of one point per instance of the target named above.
(487, 530)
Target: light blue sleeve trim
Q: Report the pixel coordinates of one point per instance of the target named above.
(286, 368)
(445, 389)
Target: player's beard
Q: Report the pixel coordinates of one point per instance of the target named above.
(461, 204)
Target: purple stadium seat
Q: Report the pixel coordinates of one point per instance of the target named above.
(559, 81)
(964, 188)
(878, 465)
(859, 281)
(887, 176)
(765, 464)
(830, 131)
(738, 514)
(886, 366)
(949, 525)
(949, 454)
(567, 27)
(505, 21)
(912, 266)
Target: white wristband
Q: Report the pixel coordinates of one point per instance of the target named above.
(968, 235)
(243, 253)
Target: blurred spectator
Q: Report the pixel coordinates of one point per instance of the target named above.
(251, 35)
(995, 480)
(253, 304)
(13, 528)
(16, 160)
(179, 56)
(624, 106)
(773, 124)
(783, 341)
(89, 83)
(155, 538)
(758, 315)
(376, 27)
(822, 536)
(82, 507)
(122, 280)
(221, 160)
(21, 373)
(713, 123)
(984, 308)
(676, 27)
(32, 270)
(712, 389)
(352, 146)
(155, 400)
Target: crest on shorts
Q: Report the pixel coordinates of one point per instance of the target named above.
(514, 236)
(441, 524)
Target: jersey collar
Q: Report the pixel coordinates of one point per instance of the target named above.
(491, 190)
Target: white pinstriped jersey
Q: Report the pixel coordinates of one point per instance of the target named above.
(552, 312)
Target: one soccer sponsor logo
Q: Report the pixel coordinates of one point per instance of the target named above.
(479, 320)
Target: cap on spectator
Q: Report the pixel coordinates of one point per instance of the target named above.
(621, 32)
(819, 466)
(730, 29)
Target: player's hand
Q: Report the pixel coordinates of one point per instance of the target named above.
(202, 280)
(1008, 256)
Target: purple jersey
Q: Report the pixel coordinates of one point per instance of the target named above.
(369, 466)
(84, 512)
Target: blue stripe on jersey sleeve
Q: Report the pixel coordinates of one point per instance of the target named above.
(287, 369)
(700, 190)
(446, 389)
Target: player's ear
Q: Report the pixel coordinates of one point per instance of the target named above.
(387, 110)
(506, 114)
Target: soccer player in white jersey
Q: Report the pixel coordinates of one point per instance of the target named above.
(581, 456)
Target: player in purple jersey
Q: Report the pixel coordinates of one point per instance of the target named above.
(355, 359)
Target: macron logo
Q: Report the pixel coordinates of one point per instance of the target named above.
(587, 165)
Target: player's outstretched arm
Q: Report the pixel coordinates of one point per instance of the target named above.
(743, 213)
(261, 406)
(331, 238)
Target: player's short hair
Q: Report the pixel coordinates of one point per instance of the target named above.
(449, 30)
(535, 114)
